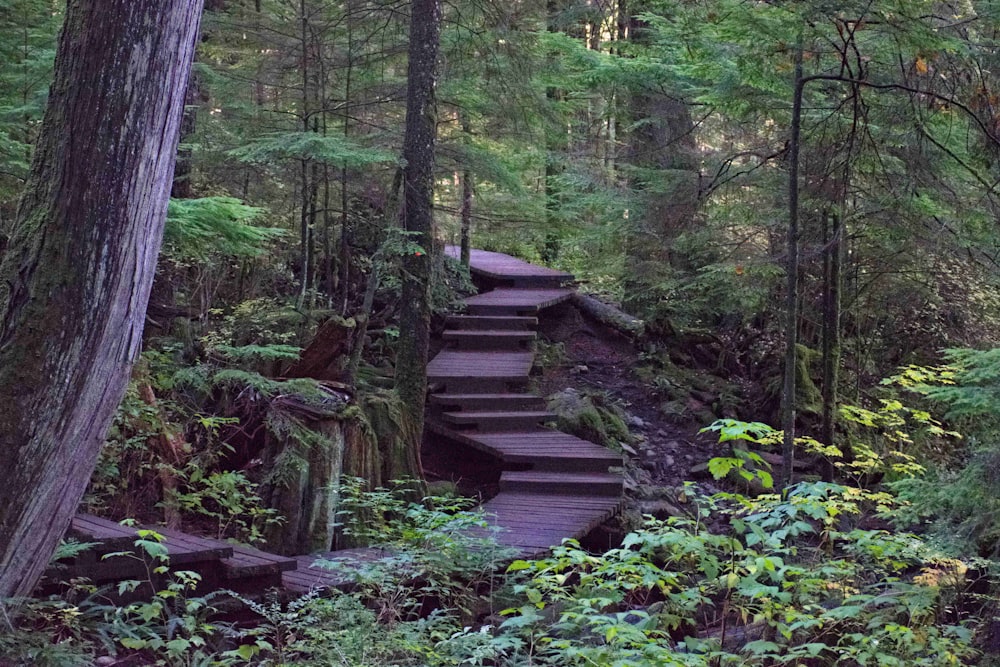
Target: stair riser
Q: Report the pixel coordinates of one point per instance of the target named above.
(603, 489)
(493, 424)
(480, 385)
(535, 282)
(494, 323)
(526, 403)
(491, 344)
(543, 463)
(491, 309)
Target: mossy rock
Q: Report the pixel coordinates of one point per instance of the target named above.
(593, 417)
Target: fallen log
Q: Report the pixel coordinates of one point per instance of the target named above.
(609, 315)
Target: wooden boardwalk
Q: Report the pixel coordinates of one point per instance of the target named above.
(553, 485)
(221, 565)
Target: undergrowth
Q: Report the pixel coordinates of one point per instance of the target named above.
(810, 577)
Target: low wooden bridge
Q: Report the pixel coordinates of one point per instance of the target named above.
(553, 485)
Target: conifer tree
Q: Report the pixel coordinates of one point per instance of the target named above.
(77, 262)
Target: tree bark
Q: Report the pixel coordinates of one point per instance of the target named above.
(465, 245)
(418, 190)
(792, 278)
(832, 261)
(77, 262)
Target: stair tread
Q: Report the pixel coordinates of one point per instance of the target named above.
(525, 319)
(559, 476)
(489, 333)
(438, 398)
(485, 414)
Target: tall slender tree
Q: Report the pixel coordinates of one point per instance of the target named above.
(418, 216)
(77, 262)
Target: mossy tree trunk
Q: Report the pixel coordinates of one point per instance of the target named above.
(77, 262)
(418, 217)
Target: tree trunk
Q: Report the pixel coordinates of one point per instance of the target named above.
(831, 335)
(77, 263)
(792, 277)
(418, 189)
(466, 228)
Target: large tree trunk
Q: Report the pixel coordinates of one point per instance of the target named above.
(77, 263)
(418, 189)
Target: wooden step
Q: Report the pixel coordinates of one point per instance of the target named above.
(184, 551)
(510, 270)
(249, 562)
(463, 371)
(491, 322)
(489, 401)
(551, 482)
(542, 449)
(489, 339)
(251, 571)
(515, 301)
(499, 421)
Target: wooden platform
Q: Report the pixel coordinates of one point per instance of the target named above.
(510, 271)
(553, 485)
(240, 568)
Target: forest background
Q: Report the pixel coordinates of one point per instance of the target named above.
(769, 187)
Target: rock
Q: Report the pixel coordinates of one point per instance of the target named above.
(668, 461)
(105, 660)
(700, 470)
(637, 422)
(581, 369)
(661, 509)
(628, 449)
(671, 445)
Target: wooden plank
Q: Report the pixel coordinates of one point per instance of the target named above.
(506, 400)
(513, 301)
(491, 322)
(249, 562)
(554, 482)
(463, 365)
(499, 266)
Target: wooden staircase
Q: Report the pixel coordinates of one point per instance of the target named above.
(554, 485)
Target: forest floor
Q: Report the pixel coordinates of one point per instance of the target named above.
(593, 358)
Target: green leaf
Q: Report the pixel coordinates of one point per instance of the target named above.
(133, 643)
